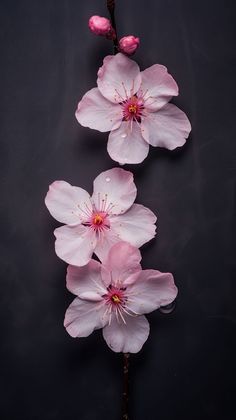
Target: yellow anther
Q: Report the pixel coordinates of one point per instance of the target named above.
(115, 299)
(97, 220)
(133, 109)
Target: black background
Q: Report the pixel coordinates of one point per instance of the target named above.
(49, 59)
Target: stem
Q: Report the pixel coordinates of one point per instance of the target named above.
(125, 394)
(111, 9)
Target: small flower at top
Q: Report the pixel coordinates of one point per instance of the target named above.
(94, 224)
(114, 296)
(128, 44)
(101, 26)
(135, 107)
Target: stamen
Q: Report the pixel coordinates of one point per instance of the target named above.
(105, 202)
(108, 310)
(120, 313)
(98, 285)
(122, 99)
(110, 207)
(144, 94)
(150, 103)
(132, 89)
(117, 317)
(132, 109)
(131, 313)
(87, 214)
(110, 315)
(116, 299)
(126, 94)
(97, 220)
(131, 125)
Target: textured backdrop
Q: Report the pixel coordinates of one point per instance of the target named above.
(49, 59)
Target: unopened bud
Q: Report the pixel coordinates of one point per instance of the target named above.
(128, 44)
(100, 25)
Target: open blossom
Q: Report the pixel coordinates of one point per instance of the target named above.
(134, 106)
(94, 224)
(114, 296)
(128, 44)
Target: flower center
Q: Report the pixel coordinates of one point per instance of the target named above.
(132, 108)
(97, 220)
(117, 301)
(115, 298)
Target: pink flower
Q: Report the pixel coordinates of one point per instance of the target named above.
(134, 106)
(114, 296)
(94, 224)
(128, 44)
(100, 25)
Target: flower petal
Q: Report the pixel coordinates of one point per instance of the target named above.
(75, 244)
(122, 261)
(136, 226)
(105, 242)
(68, 204)
(94, 111)
(157, 86)
(168, 127)
(129, 337)
(83, 317)
(126, 145)
(119, 78)
(82, 281)
(114, 191)
(148, 290)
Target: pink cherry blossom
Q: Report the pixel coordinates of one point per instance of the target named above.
(128, 44)
(134, 106)
(114, 296)
(94, 224)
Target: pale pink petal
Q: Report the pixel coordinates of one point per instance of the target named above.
(83, 317)
(105, 241)
(68, 204)
(94, 111)
(127, 337)
(75, 244)
(168, 127)
(122, 261)
(118, 78)
(114, 191)
(157, 86)
(86, 282)
(136, 226)
(126, 145)
(148, 290)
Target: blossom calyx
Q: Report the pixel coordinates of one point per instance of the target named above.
(128, 44)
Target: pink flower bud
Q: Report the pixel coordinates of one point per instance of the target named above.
(100, 25)
(128, 44)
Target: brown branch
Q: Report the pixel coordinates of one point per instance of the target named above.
(111, 9)
(125, 394)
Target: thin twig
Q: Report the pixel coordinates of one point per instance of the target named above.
(111, 9)
(125, 395)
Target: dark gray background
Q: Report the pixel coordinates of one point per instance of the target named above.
(49, 59)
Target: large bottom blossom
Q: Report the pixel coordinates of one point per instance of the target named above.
(114, 296)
